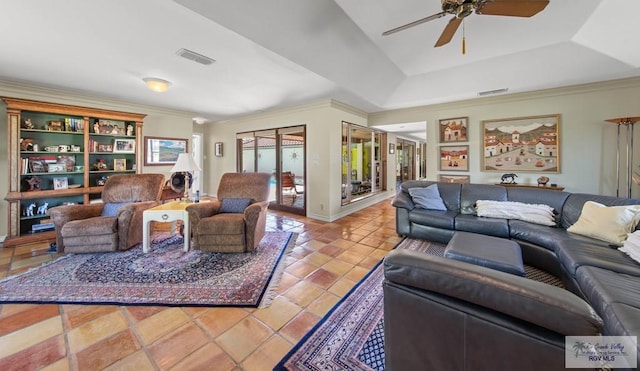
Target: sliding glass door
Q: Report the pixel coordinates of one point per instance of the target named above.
(280, 152)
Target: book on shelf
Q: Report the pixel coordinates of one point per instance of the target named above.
(42, 227)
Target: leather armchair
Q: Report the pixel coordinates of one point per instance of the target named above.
(85, 228)
(215, 230)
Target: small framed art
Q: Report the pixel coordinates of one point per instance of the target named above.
(454, 158)
(60, 183)
(124, 146)
(218, 149)
(454, 130)
(120, 164)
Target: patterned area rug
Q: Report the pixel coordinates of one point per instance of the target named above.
(351, 335)
(164, 276)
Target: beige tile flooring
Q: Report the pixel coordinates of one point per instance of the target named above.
(328, 260)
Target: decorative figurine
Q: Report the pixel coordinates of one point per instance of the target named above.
(26, 144)
(508, 178)
(29, 209)
(129, 130)
(27, 124)
(101, 181)
(542, 181)
(33, 183)
(96, 128)
(42, 209)
(100, 165)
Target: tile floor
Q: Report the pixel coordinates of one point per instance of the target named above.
(328, 260)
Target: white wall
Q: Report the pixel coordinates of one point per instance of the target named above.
(588, 144)
(160, 122)
(324, 142)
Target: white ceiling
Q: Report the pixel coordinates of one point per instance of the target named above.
(280, 53)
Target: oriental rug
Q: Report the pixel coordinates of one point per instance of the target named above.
(351, 335)
(166, 275)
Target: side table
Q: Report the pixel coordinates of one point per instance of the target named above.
(169, 212)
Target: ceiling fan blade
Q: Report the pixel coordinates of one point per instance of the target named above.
(415, 23)
(449, 31)
(512, 8)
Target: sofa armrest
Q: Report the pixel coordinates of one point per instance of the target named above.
(252, 212)
(403, 200)
(202, 210)
(547, 306)
(61, 215)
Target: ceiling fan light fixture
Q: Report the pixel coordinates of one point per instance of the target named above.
(156, 84)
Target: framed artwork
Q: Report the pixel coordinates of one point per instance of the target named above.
(119, 164)
(163, 151)
(526, 144)
(445, 178)
(37, 165)
(60, 183)
(105, 147)
(454, 158)
(124, 146)
(57, 168)
(218, 149)
(454, 130)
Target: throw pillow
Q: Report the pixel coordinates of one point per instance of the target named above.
(427, 197)
(111, 208)
(606, 223)
(532, 213)
(234, 205)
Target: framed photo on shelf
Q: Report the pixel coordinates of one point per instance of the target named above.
(446, 178)
(124, 146)
(120, 164)
(60, 183)
(163, 151)
(104, 147)
(521, 144)
(37, 165)
(57, 168)
(454, 158)
(454, 130)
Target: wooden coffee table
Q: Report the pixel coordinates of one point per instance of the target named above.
(169, 212)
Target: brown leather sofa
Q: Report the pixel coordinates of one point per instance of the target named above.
(89, 228)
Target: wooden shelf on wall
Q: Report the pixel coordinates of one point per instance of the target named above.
(556, 188)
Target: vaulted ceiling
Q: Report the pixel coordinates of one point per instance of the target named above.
(280, 53)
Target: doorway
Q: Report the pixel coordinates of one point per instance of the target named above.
(406, 157)
(281, 153)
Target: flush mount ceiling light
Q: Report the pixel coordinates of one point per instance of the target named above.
(156, 84)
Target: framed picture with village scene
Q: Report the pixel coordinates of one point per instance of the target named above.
(522, 144)
(454, 130)
(454, 158)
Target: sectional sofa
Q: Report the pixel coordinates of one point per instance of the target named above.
(440, 311)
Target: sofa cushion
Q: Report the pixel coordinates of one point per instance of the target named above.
(537, 234)
(433, 218)
(111, 208)
(555, 199)
(471, 193)
(234, 205)
(488, 226)
(574, 254)
(607, 223)
(614, 296)
(533, 213)
(573, 206)
(427, 197)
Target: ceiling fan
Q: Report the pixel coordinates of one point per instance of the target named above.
(462, 8)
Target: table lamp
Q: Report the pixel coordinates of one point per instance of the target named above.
(185, 164)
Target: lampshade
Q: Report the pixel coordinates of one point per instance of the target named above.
(157, 85)
(185, 163)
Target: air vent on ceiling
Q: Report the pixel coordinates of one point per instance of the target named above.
(193, 56)
(492, 92)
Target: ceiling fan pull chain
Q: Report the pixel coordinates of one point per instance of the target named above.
(464, 44)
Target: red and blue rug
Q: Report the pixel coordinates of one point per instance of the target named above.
(166, 275)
